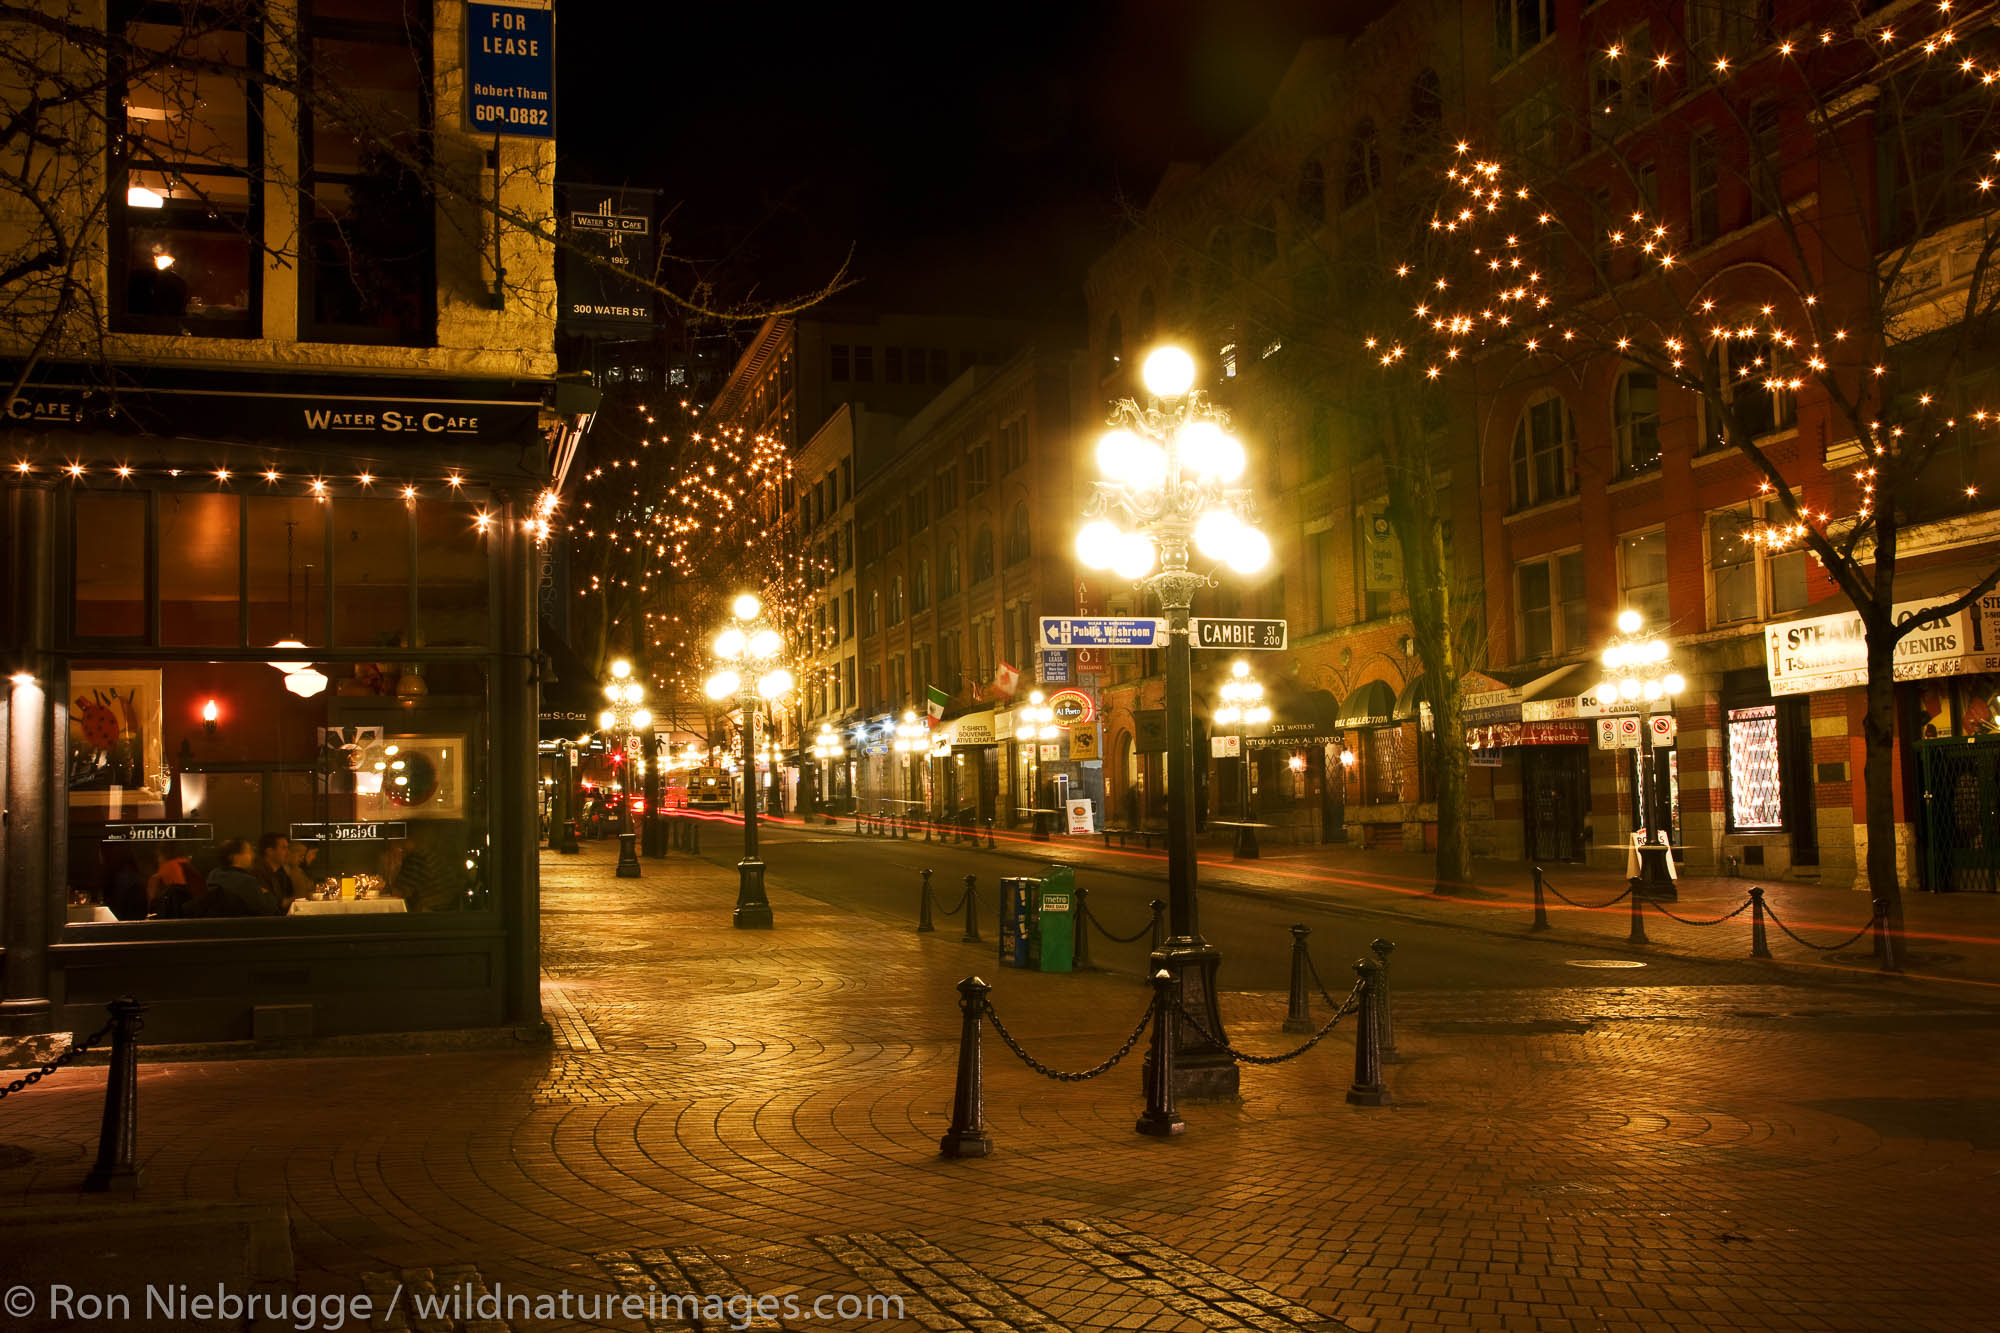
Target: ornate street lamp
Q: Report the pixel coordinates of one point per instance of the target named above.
(1035, 725)
(624, 718)
(1169, 472)
(1243, 708)
(829, 751)
(911, 741)
(750, 649)
(1638, 670)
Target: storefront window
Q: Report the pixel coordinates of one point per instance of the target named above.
(1383, 747)
(1754, 801)
(110, 554)
(287, 584)
(454, 577)
(371, 572)
(200, 585)
(341, 788)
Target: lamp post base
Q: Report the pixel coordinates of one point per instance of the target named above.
(1655, 880)
(1203, 1070)
(566, 839)
(628, 856)
(753, 909)
(1246, 843)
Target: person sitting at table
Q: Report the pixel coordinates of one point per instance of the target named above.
(298, 869)
(125, 895)
(274, 850)
(415, 875)
(233, 890)
(174, 889)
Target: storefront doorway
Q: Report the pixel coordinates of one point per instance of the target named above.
(1555, 796)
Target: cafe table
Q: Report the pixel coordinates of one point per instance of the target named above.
(345, 906)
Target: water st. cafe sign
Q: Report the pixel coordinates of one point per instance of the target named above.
(1831, 652)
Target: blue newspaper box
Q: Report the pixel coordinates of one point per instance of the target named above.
(1017, 905)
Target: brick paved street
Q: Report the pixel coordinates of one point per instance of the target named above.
(751, 1112)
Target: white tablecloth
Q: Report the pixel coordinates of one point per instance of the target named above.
(1632, 856)
(339, 906)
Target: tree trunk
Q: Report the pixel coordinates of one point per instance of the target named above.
(1878, 732)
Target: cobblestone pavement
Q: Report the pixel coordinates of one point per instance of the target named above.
(736, 1114)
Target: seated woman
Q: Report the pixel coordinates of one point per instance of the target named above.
(232, 889)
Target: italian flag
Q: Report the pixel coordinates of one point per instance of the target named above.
(934, 702)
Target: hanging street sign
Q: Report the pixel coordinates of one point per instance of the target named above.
(1104, 632)
(510, 71)
(1251, 635)
(1071, 708)
(1617, 733)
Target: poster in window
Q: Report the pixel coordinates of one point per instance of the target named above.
(347, 758)
(422, 777)
(117, 767)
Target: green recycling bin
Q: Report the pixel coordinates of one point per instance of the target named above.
(1054, 936)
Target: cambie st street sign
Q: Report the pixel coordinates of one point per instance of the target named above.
(1104, 632)
(1251, 635)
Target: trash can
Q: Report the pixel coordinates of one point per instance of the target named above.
(1016, 924)
(1055, 920)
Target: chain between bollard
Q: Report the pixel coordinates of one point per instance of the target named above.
(1133, 938)
(1731, 916)
(1587, 907)
(1063, 1075)
(1869, 925)
(1320, 986)
(1341, 1011)
(74, 1053)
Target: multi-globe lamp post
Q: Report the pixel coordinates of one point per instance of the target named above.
(1035, 726)
(749, 650)
(912, 739)
(1243, 707)
(829, 750)
(624, 718)
(1639, 670)
(1167, 498)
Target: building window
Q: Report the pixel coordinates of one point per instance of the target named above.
(1635, 422)
(871, 610)
(975, 470)
(896, 599)
(186, 230)
(1764, 178)
(864, 363)
(1621, 85)
(1114, 346)
(917, 509)
(1704, 188)
(1745, 369)
(1309, 193)
(1543, 447)
(837, 365)
(1014, 442)
(1755, 799)
(982, 555)
(1642, 576)
(1326, 581)
(1520, 25)
(892, 366)
(946, 487)
(1551, 604)
(1423, 116)
(1746, 580)
(1017, 534)
(367, 272)
(1364, 166)
(1262, 243)
(848, 619)
(920, 586)
(940, 366)
(1726, 28)
(948, 575)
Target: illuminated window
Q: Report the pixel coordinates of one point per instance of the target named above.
(1755, 801)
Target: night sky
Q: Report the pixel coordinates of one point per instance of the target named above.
(969, 168)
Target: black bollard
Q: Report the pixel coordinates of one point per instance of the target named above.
(1541, 908)
(1080, 951)
(1156, 1077)
(694, 836)
(1385, 1013)
(857, 817)
(1638, 935)
(924, 925)
(1368, 1089)
(967, 1136)
(927, 828)
(990, 844)
(1298, 1008)
(1885, 939)
(972, 911)
(118, 1135)
(1760, 947)
(1106, 831)
(568, 845)
(1159, 924)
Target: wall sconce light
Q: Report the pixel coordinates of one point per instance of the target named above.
(1298, 763)
(209, 712)
(22, 679)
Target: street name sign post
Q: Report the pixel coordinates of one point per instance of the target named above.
(1267, 636)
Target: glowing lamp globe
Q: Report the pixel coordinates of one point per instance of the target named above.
(606, 720)
(1628, 622)
(729, 644)
(1606, 692)
(1251, 553)
(642, 719)
(1097, 544)
(1210, 451)
(1257, 716)
(288, 667)
(1653, 691)
(1114, 452)
(1168, 372)
(1674, 682)
(1628, 689)
(724, 685)
(765, 643)
(305, 682)
(1226, 715)
(621, 668)
(1216, 533)
(746, 607)
(1135, 556)
(778, 683)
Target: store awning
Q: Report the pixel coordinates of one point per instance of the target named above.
(1412, 700)
(967, 729)
(1372, 705)
(1298, 717)
(569, 695)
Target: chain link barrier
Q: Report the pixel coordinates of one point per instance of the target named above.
(1717, 921)
(1320, 986)
(956, 907)
(34, 1076)
(1821, 948)
(1586, 907)
(1133, 938)
(1063, 1075)
(1340, 1011)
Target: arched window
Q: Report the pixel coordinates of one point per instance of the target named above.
(1262, 244)
(1114, 345)
(1309, 195)
(1221, 260)
(948, 570)
(1180, 296)
(896, 600)
(1148, 316)
(1543, 449)
(1364, 166)
(1423, 118)
(1635, 421)
(1017, 534)
(982, 555)
(920, 586)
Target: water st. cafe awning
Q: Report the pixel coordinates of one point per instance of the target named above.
(570, 697)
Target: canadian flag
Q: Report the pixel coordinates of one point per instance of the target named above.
(1005, 679)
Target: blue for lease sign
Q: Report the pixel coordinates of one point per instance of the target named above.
(510, 71)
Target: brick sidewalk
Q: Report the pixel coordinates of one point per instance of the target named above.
(758, 1112)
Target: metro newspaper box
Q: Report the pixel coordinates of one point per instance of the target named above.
(1038, 921)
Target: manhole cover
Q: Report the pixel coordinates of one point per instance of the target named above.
(1603, 962)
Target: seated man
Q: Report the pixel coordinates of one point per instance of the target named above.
(233, 890)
